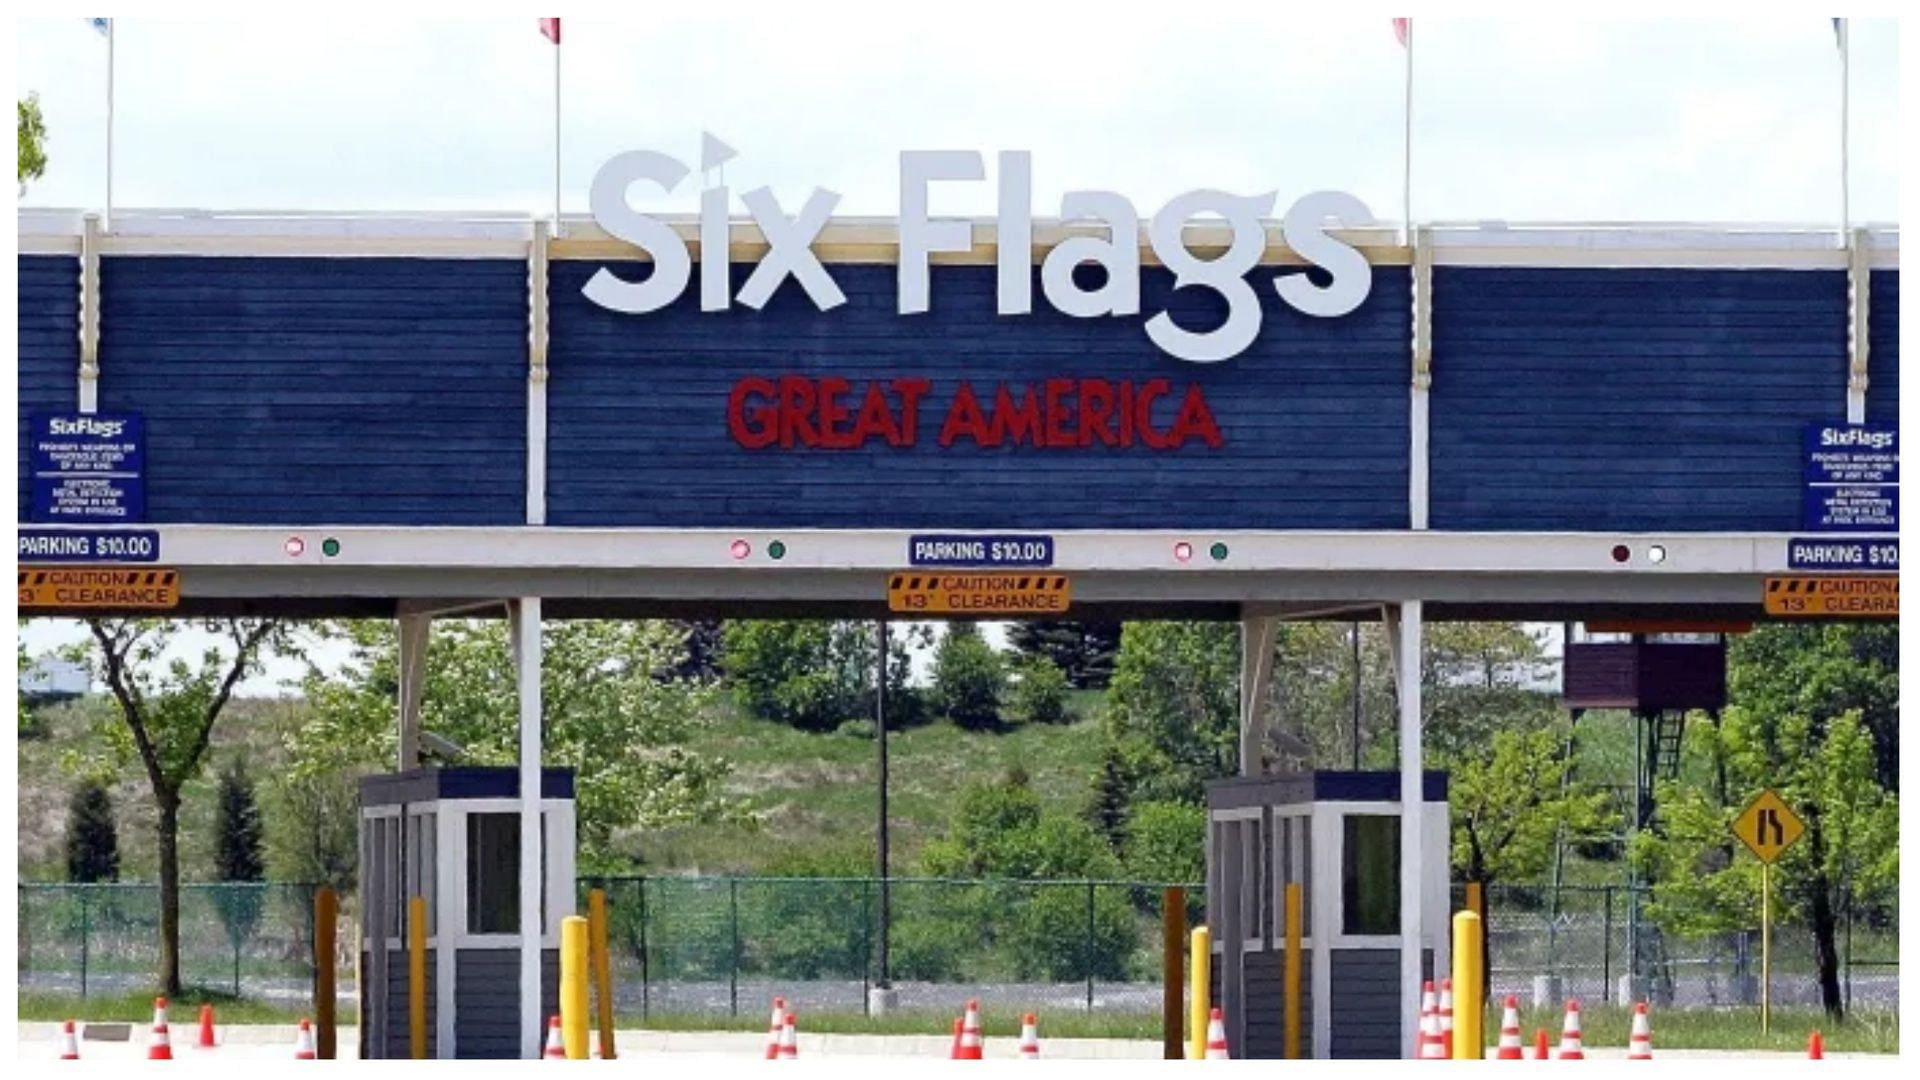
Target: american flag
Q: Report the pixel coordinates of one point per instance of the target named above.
(550, 29)
(1402, 29)
(101, 26)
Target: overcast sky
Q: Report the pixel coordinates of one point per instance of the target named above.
(1697, 119)
(1731, 119)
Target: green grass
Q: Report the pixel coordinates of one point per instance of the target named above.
(818, 790)
(1876, 1032)
(136, 1007)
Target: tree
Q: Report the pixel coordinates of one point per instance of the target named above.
(610, 713)
(705, 639)
(33, 142)
(1084, 651)
(815, 675)
(968, 678)
(1167, 843)
(1110, 795)
(1511, 804)
(238, 853)
(1174, 707)
(1039, 693)
(1479, 678)
(167, 713)
(93, 843)
(1796, 725)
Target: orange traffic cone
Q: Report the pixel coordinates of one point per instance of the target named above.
(775, 1026)
(1217, 1037)
(1571, 1048)
(1540, 1044)
(958, 1026)
(160, 1045)
(303, 1042)
(1640, 1043)
(1429, 1009)
(206, 1028)
(556, 1042)
(1446, 1018)
(1510, 1032)
(972, 1048)
(1029, 1037)
(1432, 1043)
(789, 1041)
(1816, 1049)
(69, 1044)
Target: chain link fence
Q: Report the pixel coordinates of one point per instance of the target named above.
(1580, 942)
(720, 946)
(717, 946)
(250, 940)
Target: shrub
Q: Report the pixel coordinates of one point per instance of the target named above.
(1166, 843)
(857, 729)
(1039, 693)
(968, 678)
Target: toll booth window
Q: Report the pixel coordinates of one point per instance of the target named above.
(493, 875)
(1370, 875)
(421, 864)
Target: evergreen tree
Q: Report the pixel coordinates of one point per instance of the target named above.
(238, 848)
(1085, 651)
(239, 853)
(93, 844)
(702, 659)
(968, 678)
(1111, 792)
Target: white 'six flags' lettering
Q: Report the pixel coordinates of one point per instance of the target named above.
(978, 594)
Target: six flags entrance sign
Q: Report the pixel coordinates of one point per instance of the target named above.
(790, 239)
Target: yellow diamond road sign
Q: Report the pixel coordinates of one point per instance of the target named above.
(1768, 826)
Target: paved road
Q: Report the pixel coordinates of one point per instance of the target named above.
(275, 1042)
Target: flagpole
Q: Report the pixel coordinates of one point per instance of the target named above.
(106, 220)
(1406, 146)
(556, 132)
(1846, 219)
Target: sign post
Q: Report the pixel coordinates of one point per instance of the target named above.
(1768, 826)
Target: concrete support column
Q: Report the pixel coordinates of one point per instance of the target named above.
(1257, 636)
(524, 619)
(413, 681)
(1404, 634)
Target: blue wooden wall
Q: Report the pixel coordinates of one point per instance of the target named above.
(1883, 348)
(324, 391)
(1314, 415)
(1618, 399)
(49, 377)
(393, 391)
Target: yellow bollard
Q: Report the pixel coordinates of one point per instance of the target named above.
(1202, 950)
(602, 968)
(417, 978)
(1292, 971)
(573, 986)
(1469, 990)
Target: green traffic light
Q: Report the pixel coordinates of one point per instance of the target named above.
(330, 547)
(777, 550)
(1219, 552)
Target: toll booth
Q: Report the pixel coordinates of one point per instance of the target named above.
(1337, 834)
(452, 837)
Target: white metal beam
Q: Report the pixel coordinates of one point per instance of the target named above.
(1417, 405)
(1257, 635)
(537, 375)
(413, 632)
(89, 390)
(525, 635)
(1406, 638)
(522, 547)
(1859, 289)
